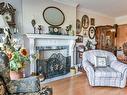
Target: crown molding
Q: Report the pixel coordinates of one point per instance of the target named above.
(93, 12)
(74, 4)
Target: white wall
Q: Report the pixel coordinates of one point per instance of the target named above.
(121, 20)
(33, 9)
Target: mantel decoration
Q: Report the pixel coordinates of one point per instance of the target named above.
(54, 17)
(85, 21)
(92, 21)
(69, 30)
(8, 12)
(91, 32)
(78, 26)
(79, 39)
(33, 22)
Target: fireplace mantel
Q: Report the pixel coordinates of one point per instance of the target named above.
(34, 40)
(45, 36)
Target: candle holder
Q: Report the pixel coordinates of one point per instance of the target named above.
(33, 22)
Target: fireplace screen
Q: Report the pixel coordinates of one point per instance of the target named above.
(54, 66)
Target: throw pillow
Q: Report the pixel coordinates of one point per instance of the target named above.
(101, 61)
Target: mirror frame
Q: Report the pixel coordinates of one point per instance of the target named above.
(59, 11)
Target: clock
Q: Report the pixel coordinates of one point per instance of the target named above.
(8, 12)
(7, 16)
(55, 30)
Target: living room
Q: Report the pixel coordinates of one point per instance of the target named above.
(85, 29)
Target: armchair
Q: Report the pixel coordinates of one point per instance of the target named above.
(24, 86)
(113, 74)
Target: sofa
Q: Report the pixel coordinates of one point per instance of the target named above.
(23, 86)
(103, 69)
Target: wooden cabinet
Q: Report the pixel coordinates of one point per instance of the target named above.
(121, 35)
(105, 38)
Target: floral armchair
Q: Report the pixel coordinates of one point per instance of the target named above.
(24, 86)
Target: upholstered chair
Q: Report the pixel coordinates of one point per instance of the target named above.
(103, 69)
(24, 86)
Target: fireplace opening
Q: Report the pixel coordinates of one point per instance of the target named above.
(53, 61)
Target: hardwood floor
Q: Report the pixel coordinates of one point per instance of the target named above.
(78, 85)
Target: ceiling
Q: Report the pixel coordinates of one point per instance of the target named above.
(114, 8)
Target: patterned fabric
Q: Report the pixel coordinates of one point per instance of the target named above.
(89, 71)
(25, 86)
(2, 87)
(91, 56)
(107, 72)
(101, 61)
(114, 75)
(121, 67)
(30, 84)
(102, 81)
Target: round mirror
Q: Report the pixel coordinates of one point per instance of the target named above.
(53, 16)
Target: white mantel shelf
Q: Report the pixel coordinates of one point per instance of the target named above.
(46, 36)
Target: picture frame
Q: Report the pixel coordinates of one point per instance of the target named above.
(8, 12)
(78, 26)
(92, 21)
(85, 21)
(91, 32)
(79, 39)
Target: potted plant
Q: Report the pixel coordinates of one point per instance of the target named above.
(18, 58)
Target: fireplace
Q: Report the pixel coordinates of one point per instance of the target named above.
(50, 43)
(53, 61)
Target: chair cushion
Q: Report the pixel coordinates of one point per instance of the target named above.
(101, 61)
(107, 72)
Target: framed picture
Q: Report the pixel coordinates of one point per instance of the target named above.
(78, 26)
(8, 12)
(91, 32)
(92, 21)
(79, 39)
(85, 21)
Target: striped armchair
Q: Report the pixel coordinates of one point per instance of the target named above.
(113, 74)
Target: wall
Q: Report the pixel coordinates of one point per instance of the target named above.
(100, 19)
(33, 9)
(121, 20)
(122, 30)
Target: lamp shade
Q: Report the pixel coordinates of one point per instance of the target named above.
(3, 23)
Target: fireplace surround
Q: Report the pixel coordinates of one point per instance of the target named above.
(32, 41)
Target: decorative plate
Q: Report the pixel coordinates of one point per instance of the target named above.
(85, 21)
(91, 32)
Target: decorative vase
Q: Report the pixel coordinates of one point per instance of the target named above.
(14, 75)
